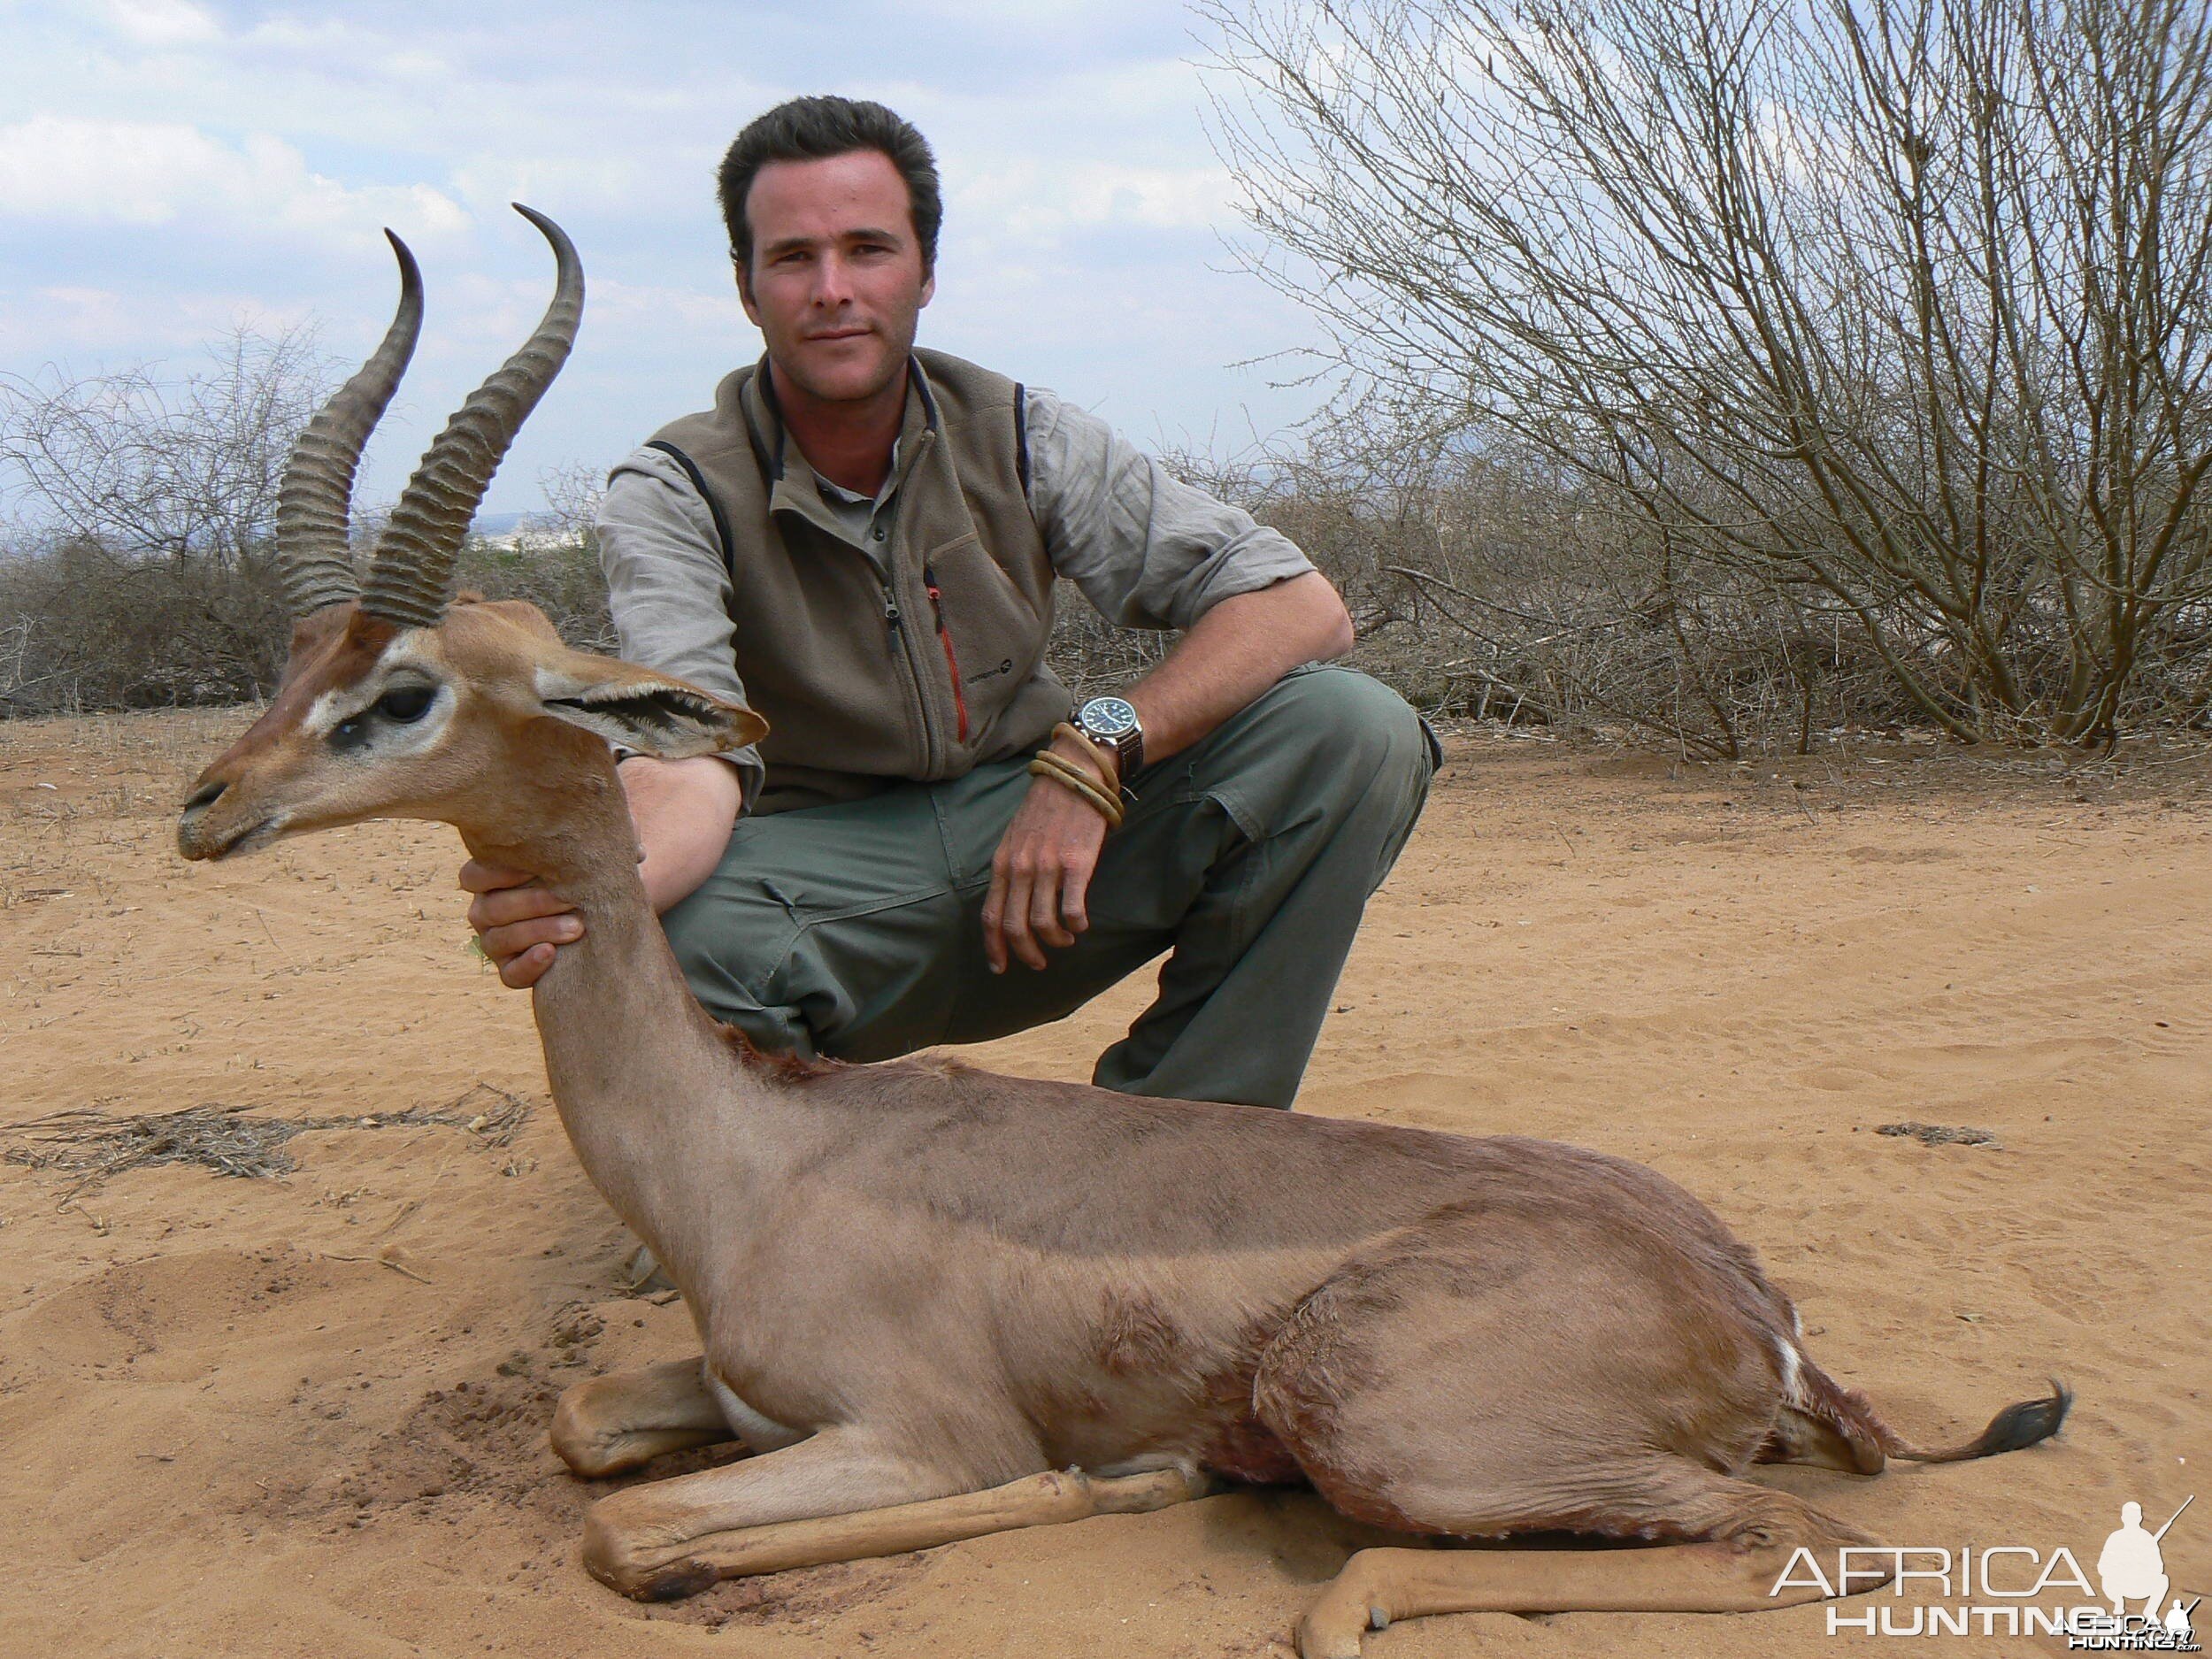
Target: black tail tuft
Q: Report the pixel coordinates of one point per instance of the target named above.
(2025, 1424)
(1850, 1415)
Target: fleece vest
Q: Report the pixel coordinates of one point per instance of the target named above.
(918, 662)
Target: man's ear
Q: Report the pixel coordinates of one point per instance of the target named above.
(642, 709)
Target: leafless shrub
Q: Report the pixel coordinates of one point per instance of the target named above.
(1893, 315)
(1091, 655)
(1537, 603)
(182, 469)
(88, 627)
(1487, 584)
(552, 560)
(143, 578)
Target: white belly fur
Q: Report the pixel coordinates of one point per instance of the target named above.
(758, 1431)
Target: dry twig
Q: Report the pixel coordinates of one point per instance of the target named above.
(228, 1140)
(1939, 1134)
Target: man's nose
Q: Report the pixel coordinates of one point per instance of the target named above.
(832, 281)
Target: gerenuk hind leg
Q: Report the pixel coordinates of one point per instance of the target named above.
(1751, 1534)
(606, 1424)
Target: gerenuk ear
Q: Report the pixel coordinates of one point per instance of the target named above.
(644, 710)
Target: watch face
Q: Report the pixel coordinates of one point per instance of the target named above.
(1109, 716)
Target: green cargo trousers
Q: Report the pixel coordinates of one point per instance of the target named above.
(854, 931)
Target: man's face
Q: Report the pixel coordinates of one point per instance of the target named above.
(836, 283)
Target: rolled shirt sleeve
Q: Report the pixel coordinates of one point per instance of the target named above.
(1146, 549)
(667, 587)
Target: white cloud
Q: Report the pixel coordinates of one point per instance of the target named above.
(63, 318)
(160, 23)
(1027, 14)
(585, 179)
(1031, 198)
(627, 305)
(150, 173)
(258, 148)
(96, 327)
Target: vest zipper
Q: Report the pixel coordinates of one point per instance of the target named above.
(894, 625)
(935, 751)
(952, 657)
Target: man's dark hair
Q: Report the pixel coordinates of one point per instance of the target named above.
(814, 129)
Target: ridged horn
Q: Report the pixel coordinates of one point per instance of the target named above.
(411, 581)
(315, 496)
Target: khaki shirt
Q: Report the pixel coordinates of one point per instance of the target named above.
(1146, 549)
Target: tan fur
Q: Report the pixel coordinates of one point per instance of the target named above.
(920, 1282)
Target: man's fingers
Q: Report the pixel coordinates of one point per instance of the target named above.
(1013, 927)
(1075, 887)
(478, 876)
(1040, 877)
(501, 907)
(520, 972)
(504, 944)
(1044, 911)
(993, 909)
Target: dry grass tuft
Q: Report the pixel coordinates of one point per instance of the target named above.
(1940, 1135)
(226, 1140)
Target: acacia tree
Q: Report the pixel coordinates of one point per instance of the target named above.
(1904, 306)
(139, 570)
(183, 470)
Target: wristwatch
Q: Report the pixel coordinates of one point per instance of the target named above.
(1111, 723)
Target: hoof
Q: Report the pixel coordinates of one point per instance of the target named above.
(1321, 1636)
(611, 1560)
(1347, 1610)
(675, 1582)
(576, 1440)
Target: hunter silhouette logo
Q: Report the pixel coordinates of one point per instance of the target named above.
(2011, 1590)
(2132, 1567)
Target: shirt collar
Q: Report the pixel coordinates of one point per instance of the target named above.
(794, 484)
(764, 419)
(837, 492)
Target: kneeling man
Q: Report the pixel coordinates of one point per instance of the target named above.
(934, 844)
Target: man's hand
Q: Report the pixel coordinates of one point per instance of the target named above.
(683, 811)
(1232, 654)
(518, 923)
(1041, 872)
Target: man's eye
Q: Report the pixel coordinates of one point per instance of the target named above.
(406, 704)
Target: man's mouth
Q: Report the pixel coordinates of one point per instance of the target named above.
(840, 333)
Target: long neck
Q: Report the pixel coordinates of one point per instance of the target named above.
(670, 1128)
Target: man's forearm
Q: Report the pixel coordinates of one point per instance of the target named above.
(1234, 653)
(1228, 659)
(683, 811)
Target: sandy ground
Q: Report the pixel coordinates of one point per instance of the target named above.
(307, 1416)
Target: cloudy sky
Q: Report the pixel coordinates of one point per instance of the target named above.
(169, 168)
